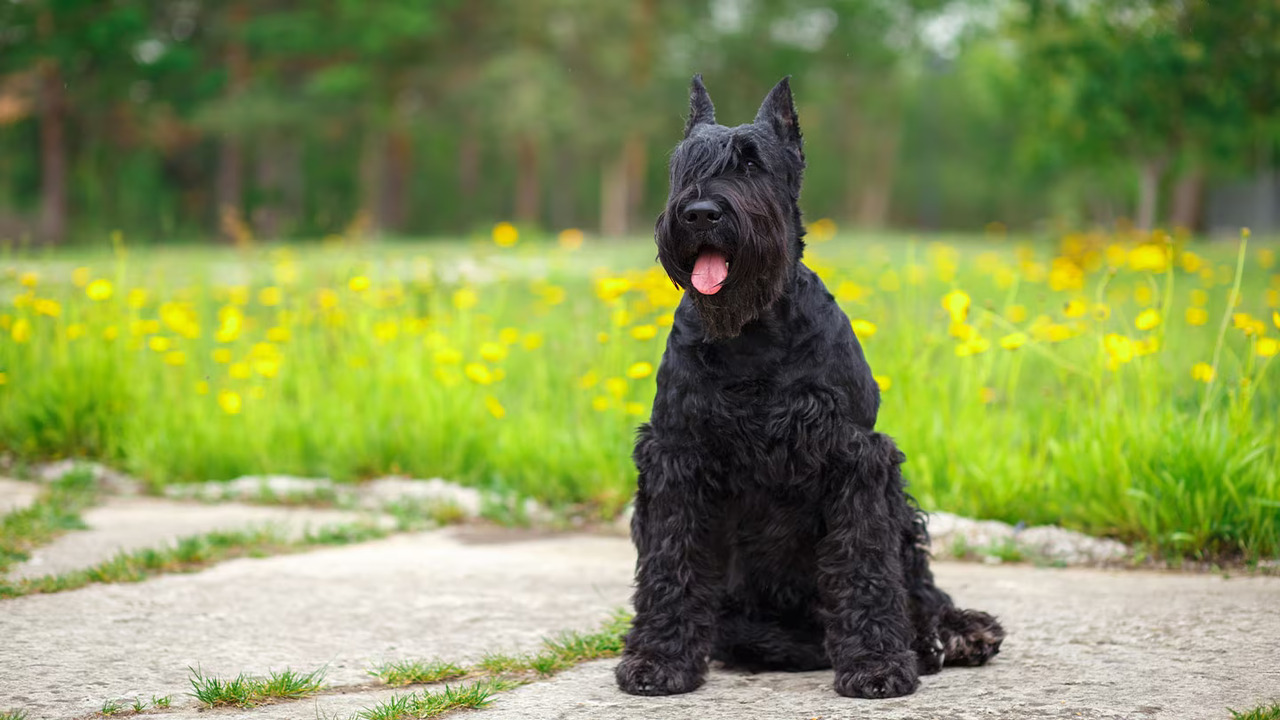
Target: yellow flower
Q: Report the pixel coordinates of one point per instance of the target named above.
(602, 337)
(465, 298)
(532, 341)
(240, 371)
(230, 402)
(884, 382)
(267, 367)
(1275, 318)
(4, 378)
(1143, 295)
(822, 230)
(600, 403)
(1147, 319)
(447, 356)
(478, 373)
(962, 330)
(1013, 341)
(230, 321)
(644, 332)
(1075, 309)
(616, 386)
(635, 408)
(270, 296)
(385, 331)
(1147, 346)
(1248, 324)
(202, 388)
(1191, 262)
(29, 279)
(1148, 257)
(863, 328)
(889, 281)
(975, 345)
(359, 283)
(493, 352)
(1017, 313)
(1199, 297)
(75, 331)
(222, 356)
(110, 332)
(175, 358)
(588, 380)
(327, 299)
(640, 370)
(99, 290)
(278, 334)
(494, 407)
(1119, 348)
(609, 289)
(850, 291)
(509, 336)
(956, 302)
(571, 239)
(1268, 347)
(505, 234)
(160, 343)
(987, 395)
(1203, 372)
(52, 308)
(1197, 316)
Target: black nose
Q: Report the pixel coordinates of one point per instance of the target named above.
(701, 214)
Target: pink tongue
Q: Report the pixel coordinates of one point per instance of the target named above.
(710, 271)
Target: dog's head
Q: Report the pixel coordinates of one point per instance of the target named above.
(731, 233)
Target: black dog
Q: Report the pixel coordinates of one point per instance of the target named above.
(771, 521)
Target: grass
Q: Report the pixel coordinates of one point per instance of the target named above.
(244, 691)
(1262, 712)
(13, 715)
(1116, 384)
(417, 672)
(56, 510)
(495, 672)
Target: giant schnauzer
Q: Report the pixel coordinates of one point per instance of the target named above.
(773, 528)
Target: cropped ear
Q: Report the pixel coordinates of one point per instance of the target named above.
(778, 112)
(701, 111)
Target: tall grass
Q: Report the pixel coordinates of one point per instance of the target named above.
(1059, 382)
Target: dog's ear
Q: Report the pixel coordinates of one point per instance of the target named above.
(701, 111)
(778, 111)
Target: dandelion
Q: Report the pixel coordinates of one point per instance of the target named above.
(230, 322)
(358, 284)
(29, 279)
(509, 336)
(600, 403)
(1013, 341)
(1266, 258)
(505, 234)
(1199, 297)
(849, 291)
(1191, 262)
(1203, 372)
(75, 331)
(1147, 319)
(270, 296)
(588, 380)
(1267, 347)
(4, 378)
(384, 331)
(99, 290)
(222, 356)
(1248, 324)
(230, 402)
(602, 337)
(616, 386)
(634, 408)
(609, 289)
(1275, 318)
(478, 373)
(1119, 349)
(570, 239)
(493, 352)
(240, 371)
(202, 387)
(1075, 309)
(822, 230)
(1148, 257)
(267, 367)
(956, 302)
(110, 332)
(447, 356)
(1016, 313)
(644, 332)
(176, 358)
(160, 343)
(532, 341)
(278, 334)
(465, 298)
(52, 308)
(863, 328)
(1197, 316)
(884, 382)
(640, 370)
(494, 407)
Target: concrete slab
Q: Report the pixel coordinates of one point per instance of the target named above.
(16, 494)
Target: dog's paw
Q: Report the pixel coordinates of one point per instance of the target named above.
(970, 637)
(929, 655)
(641, 675)
(893, 676)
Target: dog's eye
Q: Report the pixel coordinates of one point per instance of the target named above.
(750, 164)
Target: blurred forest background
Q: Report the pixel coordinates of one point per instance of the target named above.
(197, 119)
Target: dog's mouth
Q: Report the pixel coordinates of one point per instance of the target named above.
(709, 271)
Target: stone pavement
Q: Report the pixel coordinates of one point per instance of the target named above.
(1082, 643)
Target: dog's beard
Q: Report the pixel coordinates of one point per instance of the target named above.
(754, 237)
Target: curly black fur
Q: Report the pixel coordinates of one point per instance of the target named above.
(771, 520)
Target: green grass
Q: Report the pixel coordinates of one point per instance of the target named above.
(417, 672)
(436, 703)
(1262, 712)
(13, 715)
(245, 691)
(56, 510)
(528, 379)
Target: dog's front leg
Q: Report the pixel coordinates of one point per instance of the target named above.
(860, 574)
(677, 576)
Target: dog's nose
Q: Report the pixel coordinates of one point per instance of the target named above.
(701, 214)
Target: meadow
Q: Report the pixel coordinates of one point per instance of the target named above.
(1120, 384)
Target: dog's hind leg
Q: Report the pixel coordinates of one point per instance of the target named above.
(945, 634)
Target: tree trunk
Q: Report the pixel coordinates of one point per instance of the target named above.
(877, 188)
(468, 174)
(613, 196)
(229, 195)
(564, 206)
(266, 214)
(373, 156)
(637, 164)
(1187, 196)
(395, 187)
(528, 185)
(53, 154)
(1149, 174)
